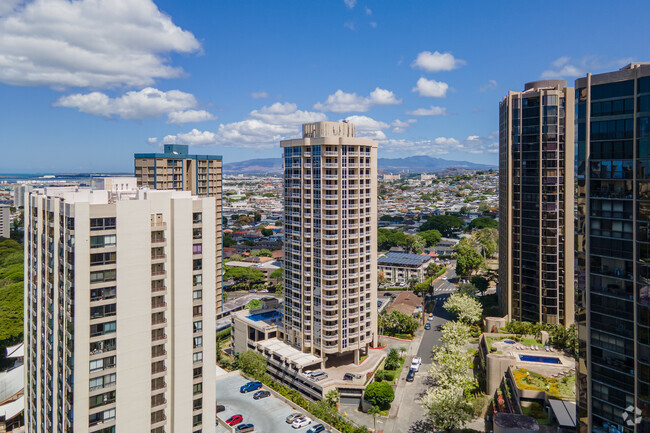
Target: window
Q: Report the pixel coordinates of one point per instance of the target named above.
(197, 357)
(198, 388)
(102, 364)
(198, 372)
(102, 381)
(197, 404)
(102, 399)
(197, 249)
(198, 326)
(197, 217)
(102, 241)
(103, 311)
(197, 233)
(197, 279)
(197, 264)
(101, 276)
(102, 223)
(197, 310)
(103, 293)
(197, 294)
(198, 342)
(102, 328)
(197, 419)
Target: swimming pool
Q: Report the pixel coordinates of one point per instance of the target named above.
(265, 316)
(545, 359)
(509, 341)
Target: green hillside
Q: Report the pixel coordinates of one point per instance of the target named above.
(11, 294)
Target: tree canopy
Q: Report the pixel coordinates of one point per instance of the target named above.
(11, 293)
(228, 241)
(432, 237)
(468, 310)
(445, 224)
(397, 323)
(467, 259)
(484, 222)
(241, 275)
(266, 232)
(415, 244)
(380, 394)
(252, 362)
(447, 408)
(386, 239)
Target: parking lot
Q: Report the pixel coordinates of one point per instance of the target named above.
(268, 414)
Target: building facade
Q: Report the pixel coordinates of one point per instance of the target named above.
(5, 223)
(119, 332)
(402, 267)
(19, 194)
(330, 226)
(613, 250)
(536, 210)
(176, 169)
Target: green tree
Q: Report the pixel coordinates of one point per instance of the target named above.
(244, 275)
(266, 232)
(228, 241)
(447, 408)
(445, 224)
(386, 239)
(278, 223)
(277, 274)
(278, 290)
(415, 244)
(467, 289)
(481, 283)
(332, 398)
(455, 333)
(252, 363)
(488, 240)
(380, 394)
(484, 222)
(467, 259)
(392, 360)
(432, 237)
(11, 294)
(257, 217)
(467, 309)
(262, 253)
(218, 348)
(374, 411)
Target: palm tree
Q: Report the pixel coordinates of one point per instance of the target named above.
(374, 411)
(332, 397)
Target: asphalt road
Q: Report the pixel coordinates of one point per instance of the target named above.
(440, 317)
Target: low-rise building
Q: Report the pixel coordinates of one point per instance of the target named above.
(402, 267)
(5, 229)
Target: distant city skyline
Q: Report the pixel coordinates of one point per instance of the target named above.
(234, 78)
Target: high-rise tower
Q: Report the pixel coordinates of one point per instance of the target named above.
(119, 330)
(178, 170)
(330, 226)
(536, 191)
(613, 250)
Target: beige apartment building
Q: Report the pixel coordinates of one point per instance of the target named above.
(119, 332)
(536, 209)
(330, 226)
(5, 223)
(176, 169)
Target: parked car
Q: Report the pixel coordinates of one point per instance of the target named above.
(427, 326)
(234, 420)
(220, 408)
(410, 376)
(252, 291)
(415, 363)
(245, 428)
(444, 277)
(250, 386)
(388, 294)
(378, 304)
(261, 394)
(307, 373)
(291, 418)
(430, 317)
(350, 376)
(318, 375)
(318, 428)
(300, 423)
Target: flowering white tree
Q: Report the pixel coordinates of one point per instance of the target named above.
(455, 333)
(446, 407)
(468, 310)
(451, 367)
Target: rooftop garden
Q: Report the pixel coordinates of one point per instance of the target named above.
(563, 388)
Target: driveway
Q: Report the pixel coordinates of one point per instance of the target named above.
(268, 414)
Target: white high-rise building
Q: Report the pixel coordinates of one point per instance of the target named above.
(330, 223)
(119, 332)
(5, 221)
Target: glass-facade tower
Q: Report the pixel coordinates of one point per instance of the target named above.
(613, 249)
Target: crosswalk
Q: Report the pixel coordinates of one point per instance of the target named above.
(445, 289)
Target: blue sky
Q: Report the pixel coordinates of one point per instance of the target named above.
(86, 84)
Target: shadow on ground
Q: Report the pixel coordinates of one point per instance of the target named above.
(421, 426)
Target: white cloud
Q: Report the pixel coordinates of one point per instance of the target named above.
(259, 95)
(400, 126)
(493, 148)
(491, 85)
(143, 104)
(368, 11)
(189, 116)
(368, 127)
(431, 111)
(566, 67)
(350, 3)
(262, 130)
(349, 25)
(436, 61)
(89, 43)
(342, 102)
(431, 88)
(373, 24)
(152, 140)
(473, 144)
(7, 6)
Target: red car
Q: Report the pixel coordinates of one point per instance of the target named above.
(234, 420)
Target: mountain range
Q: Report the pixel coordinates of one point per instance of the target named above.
(413, 164)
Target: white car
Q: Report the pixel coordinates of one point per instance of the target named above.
(444, 277)
(300, 423)
(415, 363)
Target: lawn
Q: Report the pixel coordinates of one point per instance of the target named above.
(536, 410)
(562, 388)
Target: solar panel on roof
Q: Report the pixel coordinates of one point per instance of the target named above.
(403, 259)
